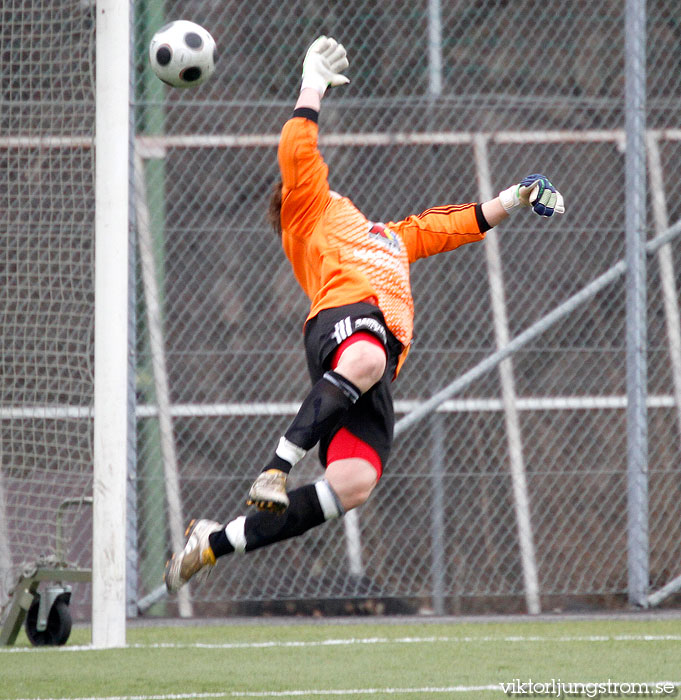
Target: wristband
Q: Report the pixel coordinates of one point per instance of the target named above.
(509, 198)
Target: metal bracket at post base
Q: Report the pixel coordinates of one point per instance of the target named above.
(25, 592)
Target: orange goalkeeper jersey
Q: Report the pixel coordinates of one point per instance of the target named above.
(339, 256)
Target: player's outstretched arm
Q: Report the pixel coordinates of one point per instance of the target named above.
(323, 67)
(304, 175)
(534, 191)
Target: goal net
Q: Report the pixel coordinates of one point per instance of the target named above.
(46, 287)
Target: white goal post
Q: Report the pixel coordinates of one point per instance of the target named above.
(112, 217)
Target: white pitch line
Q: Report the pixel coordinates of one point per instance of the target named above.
(292, 693)
(411, 640)
(339, 692)
(352, 641)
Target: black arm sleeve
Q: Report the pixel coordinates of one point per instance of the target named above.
(307, 113)
(482, 221)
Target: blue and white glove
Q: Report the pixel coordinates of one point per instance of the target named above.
(323, 65)
(536, 191)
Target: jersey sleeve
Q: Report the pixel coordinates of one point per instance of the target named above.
(440, 229)
(304, 174)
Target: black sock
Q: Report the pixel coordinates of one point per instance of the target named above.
(322, 408)
(262, 528)
(219, 543)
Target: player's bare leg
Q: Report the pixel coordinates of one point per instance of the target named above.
(352, 479)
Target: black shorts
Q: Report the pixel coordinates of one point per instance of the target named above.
(372, 418)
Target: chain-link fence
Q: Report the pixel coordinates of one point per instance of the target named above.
(544, 84)
(437, 90)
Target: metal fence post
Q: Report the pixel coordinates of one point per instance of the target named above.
(635, 222)
(438, 559)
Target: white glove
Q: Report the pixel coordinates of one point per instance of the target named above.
(536, 191)
(324, 61)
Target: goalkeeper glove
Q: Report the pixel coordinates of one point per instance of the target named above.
(536, 191)
(324, 61)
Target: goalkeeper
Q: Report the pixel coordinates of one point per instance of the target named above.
(357, 334)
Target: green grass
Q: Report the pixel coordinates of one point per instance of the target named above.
(417, 660)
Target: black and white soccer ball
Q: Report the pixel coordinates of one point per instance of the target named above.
(183, 54)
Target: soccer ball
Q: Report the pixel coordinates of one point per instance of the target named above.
(182, 54)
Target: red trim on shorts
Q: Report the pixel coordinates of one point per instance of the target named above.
(345, 445)
(354, 338)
